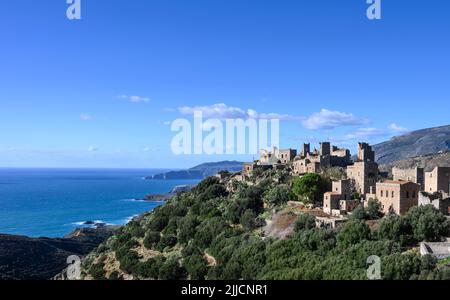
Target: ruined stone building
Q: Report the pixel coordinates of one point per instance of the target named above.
(325, 148)
(397, 196)
(339, 201)
(269, 160)
(330, 222)
(440, 250)
(340, 157)
(286, 156)
(438, 180)
(248, 168)
(331, 202)
(267, 157)
(306, 149)
(437, 189)
(439, 202)
(318, 160)
(364, 171)
(306, 161)
(312, 163)
(365, 152)
(416, 175)
(276, 156)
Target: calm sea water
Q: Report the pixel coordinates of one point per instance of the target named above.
(53, 202)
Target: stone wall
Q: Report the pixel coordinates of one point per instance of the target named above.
(414, 174)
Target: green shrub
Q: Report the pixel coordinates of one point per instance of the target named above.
(428, 224)
(359, 213)
(151, 239)
(171, 270)
(134, 228)
(395, 228)
(196, 266)
(128, 259)
(150, 268)
(167, 240)
(305, 221)
(352, 233)
(187, 226)
(248, 219)
(208, 230)
(97, 271)
(278, 195)
(310, 187)
(373, 210)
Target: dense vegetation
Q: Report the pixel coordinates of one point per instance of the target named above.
(214, 232)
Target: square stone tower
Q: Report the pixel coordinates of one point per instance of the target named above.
(325, 148)
(365, 152)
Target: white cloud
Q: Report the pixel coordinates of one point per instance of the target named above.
(364, 133)
(134, 99)
(92, 149)
(223, 111)
(397, 129)
(219, 111)
(86, 117)
(150, 149)
(327, 119)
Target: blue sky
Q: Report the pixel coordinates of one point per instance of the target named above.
(100, 91)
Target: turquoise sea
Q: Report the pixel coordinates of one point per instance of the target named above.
(54, 202)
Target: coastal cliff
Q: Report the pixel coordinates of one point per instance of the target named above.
(24, 258)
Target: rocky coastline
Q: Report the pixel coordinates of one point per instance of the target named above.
(25, 258)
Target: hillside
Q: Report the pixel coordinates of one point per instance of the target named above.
(42, 258)
(201, 171)
(413, 144)
(428, 162)
(218, 231)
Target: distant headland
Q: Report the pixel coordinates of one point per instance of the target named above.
(199, 172)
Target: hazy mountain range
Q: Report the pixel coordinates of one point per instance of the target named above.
(421, 142)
